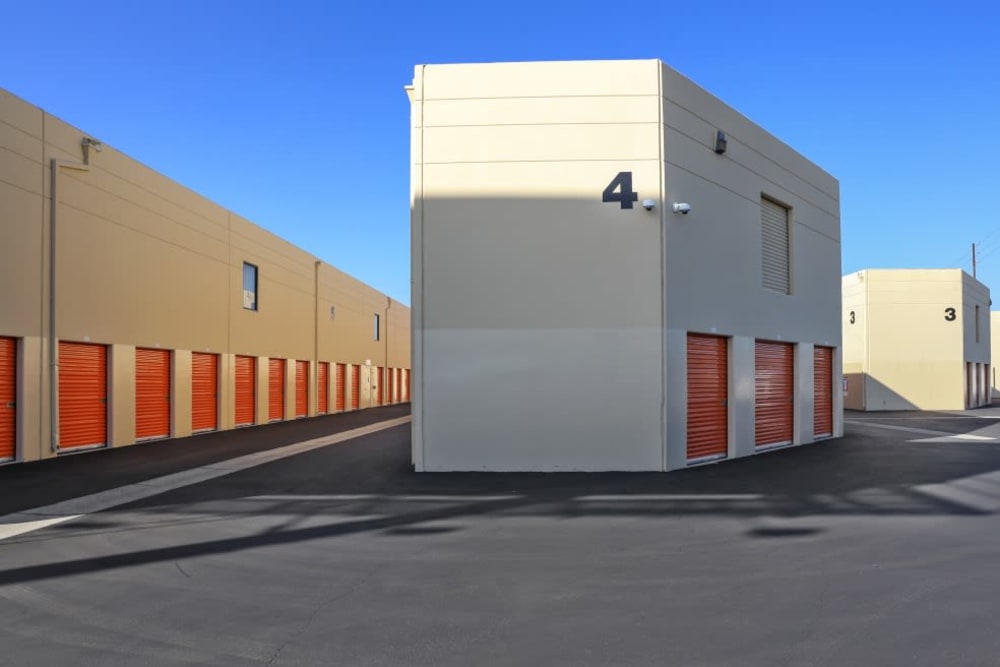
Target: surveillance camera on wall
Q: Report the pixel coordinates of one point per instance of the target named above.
(648, 204)
(682, 208)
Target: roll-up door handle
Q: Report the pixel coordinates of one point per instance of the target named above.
(11, 404)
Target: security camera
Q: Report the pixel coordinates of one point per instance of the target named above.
(682, 208)
(648, 204)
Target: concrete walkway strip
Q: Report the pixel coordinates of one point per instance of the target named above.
(67, 510)
(921, 431)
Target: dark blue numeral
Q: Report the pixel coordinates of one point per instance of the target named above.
(623, 183)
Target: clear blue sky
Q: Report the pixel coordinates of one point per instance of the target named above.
(292, 113)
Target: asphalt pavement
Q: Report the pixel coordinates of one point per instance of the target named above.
(879, 548)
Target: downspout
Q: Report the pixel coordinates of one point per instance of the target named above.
(316, 315)
(388, 304)
(55, 165)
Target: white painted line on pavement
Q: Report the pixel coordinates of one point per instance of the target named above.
(935, 417)
(643, 497)
(67, 510)
(371, 496)
(922, 431)
(18, 524)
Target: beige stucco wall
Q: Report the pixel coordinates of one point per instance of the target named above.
(549, 326)
(994, 352)
(909, 348)
(521, 352)
(855, 325)
(713, 260)
(142, 261)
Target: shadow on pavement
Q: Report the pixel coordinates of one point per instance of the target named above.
(367, 486)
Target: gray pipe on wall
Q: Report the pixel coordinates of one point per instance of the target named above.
(55, 166)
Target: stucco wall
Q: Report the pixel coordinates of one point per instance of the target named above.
(142, 261)
(919, 334)
(541, 305)
(549, 325)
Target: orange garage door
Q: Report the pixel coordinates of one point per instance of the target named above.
(8, 396)
(276, 389)
(246, 391)
(323, 387)
(301, 388)
(774, 393)
(406, 384)
(340, 384)
(822, 391)
(204, 391)
(83, 395)
(152, 393)
(708, 397)
(355, 386)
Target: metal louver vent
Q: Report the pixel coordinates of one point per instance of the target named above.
(774, 247)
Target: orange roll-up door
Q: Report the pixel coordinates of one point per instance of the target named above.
(774, 393)
(276, 389)
(406, 384)
(355, 386)
(822, 391)
(204, 391)
(708, 396)
(323, 388)
(398, 393)
(340, 382)
(83, 395)
(152, 393)
(301, 388)
(8, 398)
(246, 391)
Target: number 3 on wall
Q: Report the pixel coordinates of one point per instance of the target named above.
(623, 184)
(949, 314)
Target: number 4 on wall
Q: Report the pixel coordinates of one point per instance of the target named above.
(623, 184)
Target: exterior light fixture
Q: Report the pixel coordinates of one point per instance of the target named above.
(720, 142)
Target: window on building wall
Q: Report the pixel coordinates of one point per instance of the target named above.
(249, 286)
(775, 248)
(977, 323)
(377, 318)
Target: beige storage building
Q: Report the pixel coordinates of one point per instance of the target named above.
(994, 351)
(135, 309)
(915, 339)
(613, 270)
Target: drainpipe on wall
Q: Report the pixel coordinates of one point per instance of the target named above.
(316, 316)
(388, 305)
(85, 144)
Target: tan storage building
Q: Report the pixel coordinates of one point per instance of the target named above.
(994, 351)
(613, 270)
(916, 339)
(135, 309)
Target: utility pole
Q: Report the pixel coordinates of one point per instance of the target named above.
(973, 260)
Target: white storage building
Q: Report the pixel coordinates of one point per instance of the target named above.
(613, 270)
